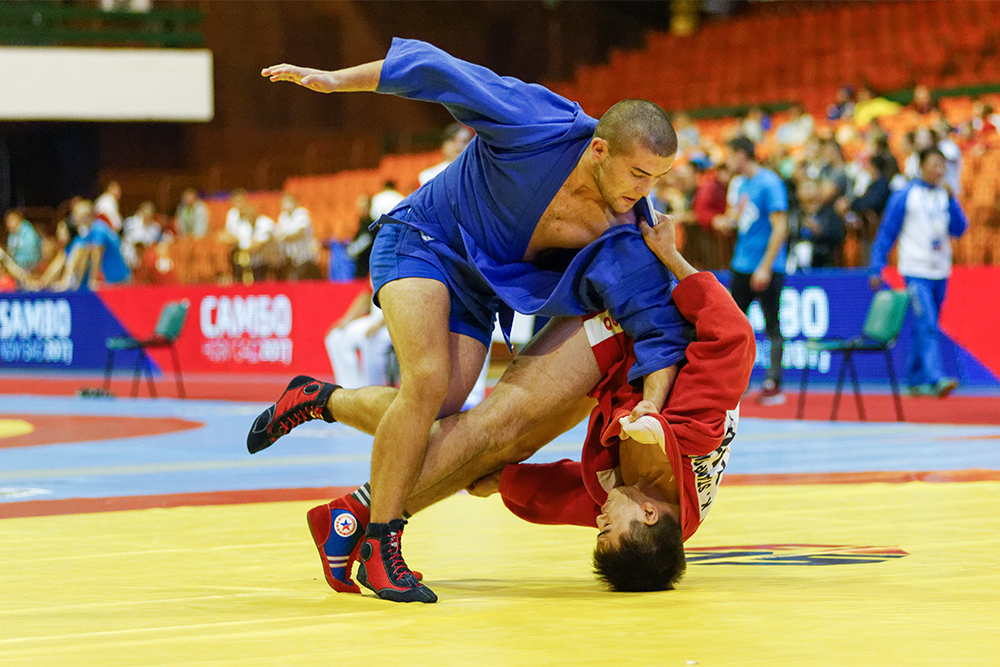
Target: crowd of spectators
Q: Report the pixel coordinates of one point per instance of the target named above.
(839, 172)
(92, 244)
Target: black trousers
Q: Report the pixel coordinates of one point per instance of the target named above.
(770, 302)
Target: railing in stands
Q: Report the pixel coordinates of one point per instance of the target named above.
(30, 23)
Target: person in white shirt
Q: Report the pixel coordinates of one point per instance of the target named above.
(386, 200)
(795, 131)
(192, 215)
(265, 252)
(106, 206)
(923, 216)
(140, 230)
(358, 345)
(295, 234)
(239, 226)
(454, 139)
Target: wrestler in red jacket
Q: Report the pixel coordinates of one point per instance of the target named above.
(648, 492)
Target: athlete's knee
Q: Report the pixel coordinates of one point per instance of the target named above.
(424, 382)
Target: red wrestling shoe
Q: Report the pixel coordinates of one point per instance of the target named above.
(382, 568)
(337, 529)
(304, 400)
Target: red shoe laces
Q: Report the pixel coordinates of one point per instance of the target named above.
(395, 554)
(301, 416)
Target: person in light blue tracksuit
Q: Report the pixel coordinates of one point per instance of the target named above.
(923, 217)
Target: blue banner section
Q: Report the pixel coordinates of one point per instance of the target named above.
(834, 304)
(57, 331)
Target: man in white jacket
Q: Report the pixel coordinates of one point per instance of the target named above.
(922, 216)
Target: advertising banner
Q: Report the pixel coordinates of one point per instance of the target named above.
(54, 331)
(275, 328)
(281, 328)
(834, 304)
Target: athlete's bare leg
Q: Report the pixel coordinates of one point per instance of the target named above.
(542, 394)
(437, 370)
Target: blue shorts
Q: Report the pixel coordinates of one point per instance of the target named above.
(401, 251)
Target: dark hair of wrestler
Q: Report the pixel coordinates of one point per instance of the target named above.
(648, 558)
(637, 123)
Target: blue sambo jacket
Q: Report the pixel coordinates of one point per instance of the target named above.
(485, 205)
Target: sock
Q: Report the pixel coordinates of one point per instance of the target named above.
(363, 495)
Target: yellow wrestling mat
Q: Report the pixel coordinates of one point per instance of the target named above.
(242, 585)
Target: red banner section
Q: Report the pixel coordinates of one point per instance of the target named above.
(971, 312)
(264, 328)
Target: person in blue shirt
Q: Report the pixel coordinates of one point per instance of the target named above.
(760, 217)
(538, 213)
(23, 244)
(923, 216)
(95, 253)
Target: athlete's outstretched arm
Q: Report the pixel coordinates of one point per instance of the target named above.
(360, 78)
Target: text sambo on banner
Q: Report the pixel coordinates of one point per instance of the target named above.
(264, 328)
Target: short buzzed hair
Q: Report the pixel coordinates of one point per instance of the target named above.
(631, 124)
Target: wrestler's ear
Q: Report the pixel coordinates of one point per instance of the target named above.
(650, 513)
(599, 149)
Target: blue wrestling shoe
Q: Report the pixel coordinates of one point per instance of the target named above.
(337, 530)
(303, 400)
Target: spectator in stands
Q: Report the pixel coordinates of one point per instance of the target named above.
(984, 121)
(795, 131)
(760, 218)
(358, 344)
(709, 203)
(823, 227)
(866, 211)
(156, 267)
(924, 138)
(295, 235)
(106, 206)
(238, 232)
(843, 106)
(922, 101)
(922, 216)
(754, 124)
(360, 249)
(265, 252)
(870, 106)
(192, 216)
(454, 139)
(95, 254)
(834, 170)
(386, 200)
(54, 256)
(23, 243)
(688, 136)
(140, 231)
(952, 155)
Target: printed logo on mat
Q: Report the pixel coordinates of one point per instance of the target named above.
(792, 554)
(345, 524)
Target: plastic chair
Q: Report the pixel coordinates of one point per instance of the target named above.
(168, 330)
(882, 327)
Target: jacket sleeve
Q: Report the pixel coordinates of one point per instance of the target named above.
(504, 111)
(888, 230)
(636, 289)
(548, 493)
(718, 364)
(957, 222)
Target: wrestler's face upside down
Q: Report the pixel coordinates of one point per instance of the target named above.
(639, 543)
(624, 505)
